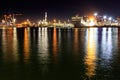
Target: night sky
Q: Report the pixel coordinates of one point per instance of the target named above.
(59, 9)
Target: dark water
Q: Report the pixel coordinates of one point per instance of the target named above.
(60, 54)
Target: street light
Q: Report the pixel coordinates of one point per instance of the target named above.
(104, 17)
(110, 18)
(95, 14)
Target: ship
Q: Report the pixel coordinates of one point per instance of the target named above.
(77, 21)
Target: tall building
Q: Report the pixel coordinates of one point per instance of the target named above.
(45, 16)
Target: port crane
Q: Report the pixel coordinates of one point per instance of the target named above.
(9, 19)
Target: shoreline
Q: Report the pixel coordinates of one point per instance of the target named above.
(60, 27)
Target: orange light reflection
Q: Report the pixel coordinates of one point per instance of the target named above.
(54, 41)
(91, 54)
(76, 43)
(9, 44)
(26, 45)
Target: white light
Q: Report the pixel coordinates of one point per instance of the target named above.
(95, 14)
(116, 21)
(104, 17)
(39, 22)
(14, 20)
(92, 23)
(110, 18)
(3, 21)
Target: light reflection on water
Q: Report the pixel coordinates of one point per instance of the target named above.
(43, 45)
(26, 44)
(91, 54)
(15, 44)
(10, 44)
(76, 40)
(107, 43)
(58, 54)
(54, 42)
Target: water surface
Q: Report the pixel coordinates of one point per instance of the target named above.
(59, 54)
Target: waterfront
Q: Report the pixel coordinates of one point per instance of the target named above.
(59, 53)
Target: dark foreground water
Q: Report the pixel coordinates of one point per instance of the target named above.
(60, 54)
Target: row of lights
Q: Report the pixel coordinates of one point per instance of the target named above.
(105, 17)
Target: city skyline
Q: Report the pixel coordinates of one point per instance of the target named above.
(59, 8)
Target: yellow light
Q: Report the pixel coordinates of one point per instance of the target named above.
(25, 22)
(92, 21)
(90, 59)
(26, 45)
(54, 21)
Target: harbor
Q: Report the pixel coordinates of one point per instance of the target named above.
(77, 21)
(60, 40)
